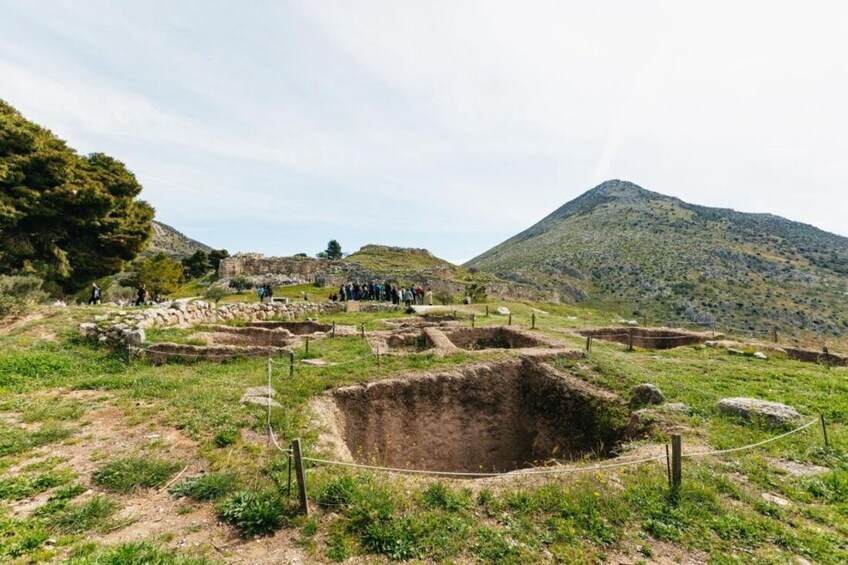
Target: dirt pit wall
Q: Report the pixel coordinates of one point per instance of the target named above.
(497, 338)
(647, 338)
(486, 418)
(160, 353)
(813, 356)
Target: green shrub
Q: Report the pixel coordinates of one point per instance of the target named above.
(439, 496)
(226, 437)
(19, 293)
(339, 492)
(130, 473)
(206, 487)
(831, 487)
(254, 513)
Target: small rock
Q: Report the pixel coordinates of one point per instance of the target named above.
(260, 400)
(101, 317)
(88, 329)
(760, 355)
(646, 393)
(676, 407)
(711, 343)
(774, 499)
(774, 413)
(732, 351)
(632, 323)
(503, 311)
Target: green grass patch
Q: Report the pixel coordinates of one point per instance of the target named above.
(127, 474)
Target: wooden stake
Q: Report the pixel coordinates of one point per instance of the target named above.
(291, 364)
(533, 321)
(487, 310)
(307, 346)
(363, 331)
(472, 320)
(676, 461)
(510, 318)
(824, 431)
(630, 340)
(588, 343)
(301, 477)
(668, 465)
(826, 356)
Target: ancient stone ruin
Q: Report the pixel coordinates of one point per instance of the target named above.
(486, 418)
(648, 338)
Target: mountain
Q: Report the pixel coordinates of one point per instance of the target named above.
(659, 256)
(173, 243)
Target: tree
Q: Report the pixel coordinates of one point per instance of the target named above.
(215, 293)
(333, 251)
(160, 274)
(70, 219)
(216, 256)
(197, 264)
(240, 284)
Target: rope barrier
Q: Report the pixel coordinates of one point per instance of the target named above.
(520, 472)
(753, 445)
(552, 471)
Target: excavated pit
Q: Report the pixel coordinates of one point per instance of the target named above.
(647, 338)
(414, 342)
(296, 328)
(495, 338)
(486, 418)
(246, 337)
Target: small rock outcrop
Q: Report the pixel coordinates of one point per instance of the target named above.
(774, 413)
(646, 393)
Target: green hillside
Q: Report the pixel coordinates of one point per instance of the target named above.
(667, 259)
(403, 261)
(173, 243)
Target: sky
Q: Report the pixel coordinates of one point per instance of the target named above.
(276, 126)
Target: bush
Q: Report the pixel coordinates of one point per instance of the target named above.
(120, 294)
(206, 487)
(215, 293)
(240, 284)
(130, 473)
(19, 293)
(254, 513)
(444, 297)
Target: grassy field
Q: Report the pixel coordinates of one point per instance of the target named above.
(105, 461)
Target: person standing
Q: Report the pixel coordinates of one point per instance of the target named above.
(429, 296)
(95, 294)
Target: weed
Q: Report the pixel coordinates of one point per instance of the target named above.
(206, 487)
(130, 473)
(67, 518)
(255, 513)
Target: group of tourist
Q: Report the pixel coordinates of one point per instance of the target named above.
(265, 291)
(384, 292)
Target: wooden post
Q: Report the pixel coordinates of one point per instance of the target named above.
(301, 477)
(472, 321)
(668, 465)
(630, 340)
(588, 343)
(510, 318)
(533, 321)
(824, 431)
(676, 461)
(487, 310)
(291, 364)
(774, 334)
(826, 356)
(363, 331)
(307, 346)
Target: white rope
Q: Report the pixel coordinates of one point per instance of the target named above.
(753, 445)
(271, 433)
(520, 472)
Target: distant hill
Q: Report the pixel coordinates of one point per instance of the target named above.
(403, 261)
(173, 243)
(658, 255)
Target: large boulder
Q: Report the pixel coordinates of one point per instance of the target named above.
(646, 393)
(774, 413)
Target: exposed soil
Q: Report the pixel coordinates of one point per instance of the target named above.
(487, 418)
(296, 328)
(497, 338)
(159, 353)
(648, 338)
